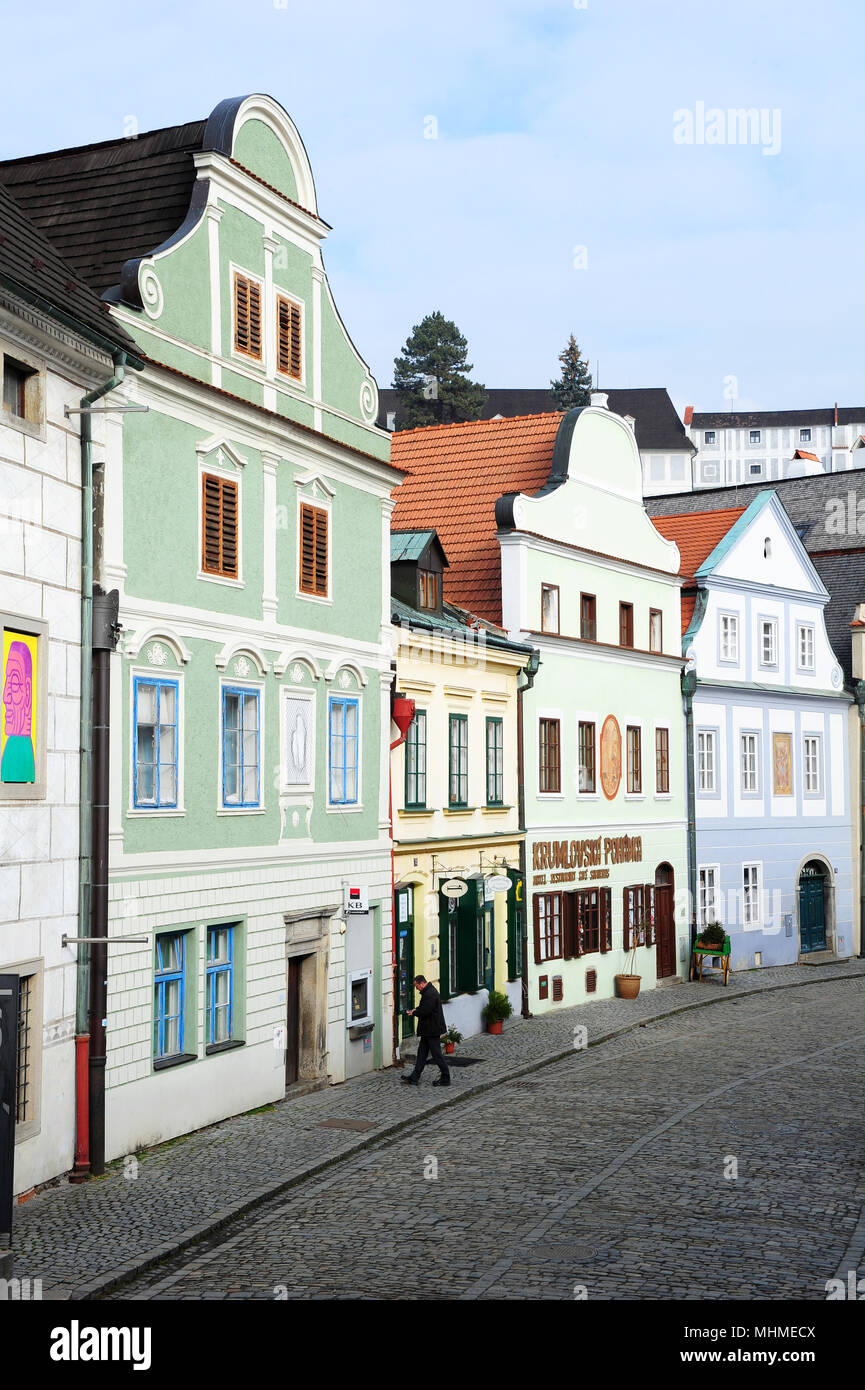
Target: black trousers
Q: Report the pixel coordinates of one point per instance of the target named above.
(431, 1047)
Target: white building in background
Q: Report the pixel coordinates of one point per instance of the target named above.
(45, 365)
(765, 445)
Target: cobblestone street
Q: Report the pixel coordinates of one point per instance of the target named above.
(713, 1153)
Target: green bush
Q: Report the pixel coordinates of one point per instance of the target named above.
(712, 935)
(453, 1035)
(497, 1007)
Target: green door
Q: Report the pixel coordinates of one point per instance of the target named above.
(404, 906)
(812, 916)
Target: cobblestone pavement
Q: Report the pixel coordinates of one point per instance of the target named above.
(80, 1239)
(714, 1154)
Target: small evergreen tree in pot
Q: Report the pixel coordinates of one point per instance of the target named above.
(496, 1010)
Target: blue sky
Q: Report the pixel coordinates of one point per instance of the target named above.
(555, 130)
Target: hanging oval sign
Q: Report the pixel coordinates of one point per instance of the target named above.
(499, 883)
(454, 888)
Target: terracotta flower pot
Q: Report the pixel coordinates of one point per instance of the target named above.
(627, 986)
(495, 1026)
(450, 1047)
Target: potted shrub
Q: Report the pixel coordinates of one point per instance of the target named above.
(712, 935)
(496, 1010)
(451, 1038)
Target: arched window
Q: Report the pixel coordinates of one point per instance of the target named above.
(767, 548)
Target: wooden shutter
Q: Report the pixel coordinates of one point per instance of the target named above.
(219, 526)
(247, 317)
(467, 938)
(536, 910)
(606, 924)
(289, 354)
(313, 550)
(569, 926)
(626, 934)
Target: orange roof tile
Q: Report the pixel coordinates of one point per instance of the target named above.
(696, 534)
(803, 454)
(456, 474)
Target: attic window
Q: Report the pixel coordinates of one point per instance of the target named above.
(247, 316)
(767, 548)
(20, 391)
(428, 589)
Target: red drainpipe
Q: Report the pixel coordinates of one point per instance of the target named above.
(402, 713)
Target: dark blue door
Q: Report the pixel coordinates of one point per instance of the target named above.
(812, 914)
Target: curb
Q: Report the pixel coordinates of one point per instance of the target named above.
(121, 1274)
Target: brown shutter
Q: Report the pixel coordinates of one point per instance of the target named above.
(247, 317)
(219, 526)
(536, 908)
(289, 338)
(626, 929)
(568, 923)
(606, 927)
(313, 550)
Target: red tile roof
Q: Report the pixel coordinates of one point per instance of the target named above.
(803, 454)
(456, 474)
(696, 534)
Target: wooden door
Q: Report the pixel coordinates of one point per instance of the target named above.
(665, 928)
(405, 995)
(292, 1020)
(812, 914)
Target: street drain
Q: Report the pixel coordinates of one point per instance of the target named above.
(361, 1126)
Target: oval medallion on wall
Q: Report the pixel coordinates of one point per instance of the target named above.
(611, 757)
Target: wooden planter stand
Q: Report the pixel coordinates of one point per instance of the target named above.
(699, 954)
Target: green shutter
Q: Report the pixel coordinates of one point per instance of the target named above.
(516, 919)
(444, 948)
(467, 939)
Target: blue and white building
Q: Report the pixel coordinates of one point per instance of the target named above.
(774, 850)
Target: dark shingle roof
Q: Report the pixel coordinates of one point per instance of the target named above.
(725, 419)
(34, 269)
(105, 204)
(844, 577)
(657, 424)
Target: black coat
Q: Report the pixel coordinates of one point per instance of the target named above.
(429, 1014)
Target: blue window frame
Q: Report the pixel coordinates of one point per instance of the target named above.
(154, 757)
(169, 995)
(219, 1004)
(343, 720)
(241, 746)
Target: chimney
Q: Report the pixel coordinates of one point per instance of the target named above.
(836, 412)
(857, 634)
(689, 415)
(599, 399)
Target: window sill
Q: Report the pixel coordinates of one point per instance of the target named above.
(494, 806)
(145, 812)
(551, 796)
(163, 1063)
(35, 429)
(222, 579)
(459, 810)
(417, 811)
(663, 796)
(588, 796)
(635, 796)
(350, 806)
(315, 598)
(241, 810)
(228, 1046)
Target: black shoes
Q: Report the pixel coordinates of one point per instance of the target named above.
(410, 1080)
(440, 1081)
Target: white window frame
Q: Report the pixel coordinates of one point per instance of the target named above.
(712, 443)
(711, 737)
(751, 434)
(732, 657)
(806, 630)
(641, 794)
(707, 893)
(816, 739)
(155, 675)
(772, 624)
(241, 683)
(262, 368)
(340, 807)
(804, 435)
(323, 506)
(752, 912)
(756, 789)
(587, 718)
(208, 464)
(282, 379)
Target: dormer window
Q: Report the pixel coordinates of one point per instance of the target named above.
(428, 590)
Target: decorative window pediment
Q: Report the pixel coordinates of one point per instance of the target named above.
(216, 452)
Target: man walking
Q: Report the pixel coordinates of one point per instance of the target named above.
(430, 1027)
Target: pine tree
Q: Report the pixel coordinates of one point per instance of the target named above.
(575, 384)
(431, 378)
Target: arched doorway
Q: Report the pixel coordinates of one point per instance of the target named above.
(813, 907)
(665, 928)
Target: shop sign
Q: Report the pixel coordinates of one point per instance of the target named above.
(583, 860)
(454, 887)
